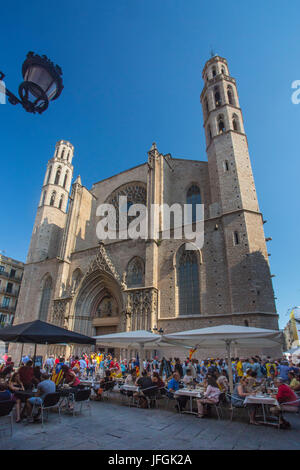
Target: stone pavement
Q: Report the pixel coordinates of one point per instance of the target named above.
(115, 426)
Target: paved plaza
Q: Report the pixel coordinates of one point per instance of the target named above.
(118, 427)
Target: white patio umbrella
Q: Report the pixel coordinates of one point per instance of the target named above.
(224, 336)
(139, 339)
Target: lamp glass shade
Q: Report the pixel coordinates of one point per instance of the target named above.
(41, 77)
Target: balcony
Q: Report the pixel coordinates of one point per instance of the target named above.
(14, 292)
(7, 308)
(9, 276)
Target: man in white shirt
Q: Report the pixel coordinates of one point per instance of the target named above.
(49, 363)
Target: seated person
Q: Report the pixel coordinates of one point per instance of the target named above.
(106, 383)
(131, 377)
(44, 387)
(147, 388)
(294, 381)
(251, 380)
(173, 386)
(130, 380)
(107, 377)
(145, 382)
(211, 395)
(5, 393)
(188, 377)
(239, 395)
(70, 377)
(37, 375)
(26, 375)
(287, 399)
(157, 380)
(15, 386)
(7, 370)
(222, 382)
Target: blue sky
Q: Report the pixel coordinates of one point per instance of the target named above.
(132, 75)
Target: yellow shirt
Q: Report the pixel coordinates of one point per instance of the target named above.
(239, 368)
(268, 367)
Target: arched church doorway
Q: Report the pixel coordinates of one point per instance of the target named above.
(98, 306)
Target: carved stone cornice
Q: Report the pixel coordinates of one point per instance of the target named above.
(103, 262)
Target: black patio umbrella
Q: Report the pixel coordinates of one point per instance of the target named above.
(40, 332)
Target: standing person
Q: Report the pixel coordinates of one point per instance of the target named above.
(82, 363)
(246, 366)
(25, 359)
(257, 368)
(178, 367)
(239, 368)
(165, 368)
(270, 367)
(49, 364)
(283, 370)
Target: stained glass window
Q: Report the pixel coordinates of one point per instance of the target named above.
(188, 283)
(193, 198)
(135, 273)
(45, 299)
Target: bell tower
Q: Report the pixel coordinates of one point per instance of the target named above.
(52, 209)
(232, 183)
(233, 198)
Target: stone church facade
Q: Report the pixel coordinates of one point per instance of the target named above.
(93, 286)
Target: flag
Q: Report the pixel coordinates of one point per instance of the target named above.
(57, 374)
(137, 361)
(192, 351)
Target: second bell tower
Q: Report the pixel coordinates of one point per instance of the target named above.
(51, 212)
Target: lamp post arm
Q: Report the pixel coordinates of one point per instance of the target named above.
(11, 97)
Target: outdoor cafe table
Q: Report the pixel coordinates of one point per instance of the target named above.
(194, 393)
(129, 388)
(262, 400)
(89, 383)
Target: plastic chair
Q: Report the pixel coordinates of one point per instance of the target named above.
(233, 407)
(82, 397)
(107, 389)
(6, 408)
(51, 400)
(150, 393)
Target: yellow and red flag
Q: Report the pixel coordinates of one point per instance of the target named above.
(192, 351)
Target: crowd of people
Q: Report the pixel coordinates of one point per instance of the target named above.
(152, 377)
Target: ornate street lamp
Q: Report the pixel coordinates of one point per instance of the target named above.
(42, 84)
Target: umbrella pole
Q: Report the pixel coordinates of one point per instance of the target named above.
(229, 366)
(34, 355)
(141, 358)
(21, 354)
